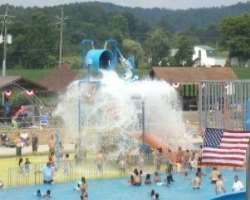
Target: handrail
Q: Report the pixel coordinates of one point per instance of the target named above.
(68, 171)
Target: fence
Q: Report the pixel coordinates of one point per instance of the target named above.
(70, 171)
(6, 122)
(223, 104)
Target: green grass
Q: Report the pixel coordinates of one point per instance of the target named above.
(39, 74)
(31, 74)
(242, 73)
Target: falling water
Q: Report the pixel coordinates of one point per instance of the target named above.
(108, 113)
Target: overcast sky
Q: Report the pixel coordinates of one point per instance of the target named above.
(173, 4)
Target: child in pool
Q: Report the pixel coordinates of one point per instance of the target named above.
(47, 195)
(147, 179)
(214, 176)
(157, 178)
(1, 184)
(219, 185)
(157, 196)
(38, 193)
(197, 182)
(169, 179)
(152, 194)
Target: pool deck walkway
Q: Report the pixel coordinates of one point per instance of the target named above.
(42, 149)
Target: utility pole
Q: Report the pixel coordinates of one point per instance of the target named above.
(5, 21)
(60, 22)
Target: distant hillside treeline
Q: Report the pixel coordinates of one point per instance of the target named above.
(36, 36)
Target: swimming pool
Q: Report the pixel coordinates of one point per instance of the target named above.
(119, 189)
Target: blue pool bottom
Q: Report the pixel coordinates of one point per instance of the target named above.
(114, 189)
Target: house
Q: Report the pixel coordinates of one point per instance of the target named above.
(59, 79)
(207, 56)
(14, 87)
(188, 80)
(11, 83)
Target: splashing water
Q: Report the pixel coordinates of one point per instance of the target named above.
(108, 114)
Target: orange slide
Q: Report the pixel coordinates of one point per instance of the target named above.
(156, 143)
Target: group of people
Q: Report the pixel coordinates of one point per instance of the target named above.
(136, 177)
(46, 196)
(186, 161)
(23, 140)
(154, 195)
(217, 180)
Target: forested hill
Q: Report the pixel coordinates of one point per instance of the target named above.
(36, 35)
(179, 20)
(176, 20)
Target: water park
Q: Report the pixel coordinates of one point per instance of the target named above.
(125, 137)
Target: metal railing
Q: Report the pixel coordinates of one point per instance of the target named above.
(222, 104)
(66, 171)
(70, 171)
(6, 122)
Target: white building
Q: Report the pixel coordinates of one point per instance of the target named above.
(206, 56)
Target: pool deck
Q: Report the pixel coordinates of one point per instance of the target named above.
(42, 149)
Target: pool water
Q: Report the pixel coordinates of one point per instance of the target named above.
(119, 189)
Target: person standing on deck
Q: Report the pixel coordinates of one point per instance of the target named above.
(34, 141)
(51, 144)
(100, 162)
(179, 159)
(158, 159)
(19, 145)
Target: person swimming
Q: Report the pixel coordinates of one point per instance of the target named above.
(214, 176)
(38, 193)
(157, 178)
(197, 182)
(47, 194)
(85, 196)
(200, 173)
(131, 180)
(83, 186)
(219, 186)
(152, 194)
(169, 179)
(147, 179)
(78, 186)
(157, 196)
(237, 185)
(1, 184)
(135, 178)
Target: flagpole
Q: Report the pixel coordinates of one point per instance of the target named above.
(248, 174)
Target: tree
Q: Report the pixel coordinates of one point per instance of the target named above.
(134, 48)
(185, 51)
(119, 26)
(236, 36)
(158, 45)
(34, 44)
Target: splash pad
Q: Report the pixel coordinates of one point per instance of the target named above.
(116, 113)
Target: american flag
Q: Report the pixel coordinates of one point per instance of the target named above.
(224, 147)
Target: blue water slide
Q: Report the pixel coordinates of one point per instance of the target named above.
(86, 45)
(231, 196)
(97, 59)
